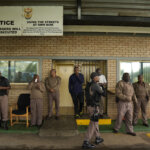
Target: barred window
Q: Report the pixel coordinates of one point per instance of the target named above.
(17, 71)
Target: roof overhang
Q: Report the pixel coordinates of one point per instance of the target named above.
(106, 29)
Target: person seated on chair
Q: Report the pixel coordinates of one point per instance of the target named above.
(36, 104)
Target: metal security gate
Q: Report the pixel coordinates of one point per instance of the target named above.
(89, 66)
(65, 68)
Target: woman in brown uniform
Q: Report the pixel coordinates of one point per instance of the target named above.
(36, 104)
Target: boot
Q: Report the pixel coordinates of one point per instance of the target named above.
(145, 124)
(5, 125)
(0, 123)
(115, 131)
(131, 133)
(87, 145)
(98, 140)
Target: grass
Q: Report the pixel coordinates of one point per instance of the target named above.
(20, 128)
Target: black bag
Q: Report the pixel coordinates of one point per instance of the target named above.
(117, 99)
(95, 116)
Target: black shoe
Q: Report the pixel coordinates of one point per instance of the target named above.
(5, 125)
(57, 118)
(77, 116)
(145, 124)
(81, 114)
(134, 124)
(87, 145)
(99, 140)
(49, 118)
(101, 116)
(31, 125)
(131, 133)
(115, 131)
(39, 126)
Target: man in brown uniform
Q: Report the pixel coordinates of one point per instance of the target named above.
(142, 93)
(36, 104)
(124, 96)
(4, 87)
(92, 100)
(53, 85)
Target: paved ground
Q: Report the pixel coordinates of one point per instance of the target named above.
(112, 141)
(65, 126)
(57, 135)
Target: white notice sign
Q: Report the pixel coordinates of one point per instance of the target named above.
(31, 21)
(10, 21)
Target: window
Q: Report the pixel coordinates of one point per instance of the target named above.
(134, 69)
(19, 71)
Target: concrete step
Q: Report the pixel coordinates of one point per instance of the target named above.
(65, 126)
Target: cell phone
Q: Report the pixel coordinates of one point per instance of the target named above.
(35, 80)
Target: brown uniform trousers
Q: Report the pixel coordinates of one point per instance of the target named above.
(125, 95)
(102, 105)
(93, 128)
(142, 94)
(36, 106)
(36, 103)
(4, 108)
(53, 83)
(125, 110)
(54, 97)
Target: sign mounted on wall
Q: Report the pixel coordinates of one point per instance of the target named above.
(31, 21)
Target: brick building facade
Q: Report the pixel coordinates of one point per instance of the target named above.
(90, 47)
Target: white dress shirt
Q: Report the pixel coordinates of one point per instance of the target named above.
(102, 79)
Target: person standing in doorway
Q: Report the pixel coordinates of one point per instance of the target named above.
(142, 90)
(4, 87)
(103, 83)
(36, 104)
(124, 97)
(75, 88)
(53, 84)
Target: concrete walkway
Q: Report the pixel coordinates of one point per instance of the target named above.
(63, 134)
(111, 141)
(65, 126)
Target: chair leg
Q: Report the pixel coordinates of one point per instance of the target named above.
(17, 119)
(27, 121)
(27, 116)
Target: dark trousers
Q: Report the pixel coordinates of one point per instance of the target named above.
(78, 101)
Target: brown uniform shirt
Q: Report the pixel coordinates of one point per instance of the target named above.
(125, 91)
(53, 83)
(142, 90)
(37, 90)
